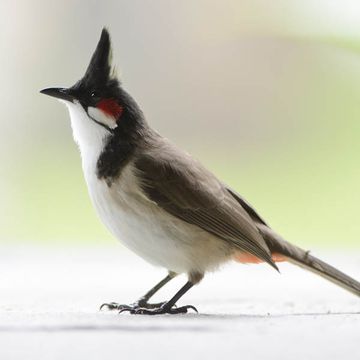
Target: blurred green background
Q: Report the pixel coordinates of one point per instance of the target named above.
(266, 94)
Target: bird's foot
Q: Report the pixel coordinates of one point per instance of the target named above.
(131, 308)
(164, 309)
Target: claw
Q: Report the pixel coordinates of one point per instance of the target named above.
(192, 308)
(110, 306)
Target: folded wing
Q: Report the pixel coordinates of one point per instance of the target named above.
(183, 187)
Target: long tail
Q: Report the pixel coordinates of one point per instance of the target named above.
(303, 259)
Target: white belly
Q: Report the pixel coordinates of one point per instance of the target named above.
(149, 231)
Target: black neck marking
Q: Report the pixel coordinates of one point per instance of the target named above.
(122, 141)
(115, 156)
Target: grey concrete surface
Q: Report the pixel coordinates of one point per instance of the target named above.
(50, 299)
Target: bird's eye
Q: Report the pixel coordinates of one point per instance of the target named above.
(94, 94)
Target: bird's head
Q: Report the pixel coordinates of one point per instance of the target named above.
(97, 103)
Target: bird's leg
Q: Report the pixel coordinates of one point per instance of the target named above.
(143, 301)
(169, 306)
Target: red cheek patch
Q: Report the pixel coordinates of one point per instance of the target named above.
(110, 107)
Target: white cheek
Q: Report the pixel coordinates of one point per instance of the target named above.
(101, 117)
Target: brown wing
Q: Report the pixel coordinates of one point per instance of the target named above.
(184, 188)
(249, 209)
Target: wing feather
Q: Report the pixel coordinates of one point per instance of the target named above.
(183, 187)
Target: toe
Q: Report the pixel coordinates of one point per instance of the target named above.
(182, 309)
(125, 308)
(141, 311)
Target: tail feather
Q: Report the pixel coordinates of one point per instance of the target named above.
(305, 260)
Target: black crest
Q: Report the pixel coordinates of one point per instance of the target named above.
(99, 81)
(99, 69)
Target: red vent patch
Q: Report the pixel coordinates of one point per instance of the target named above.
(110, 107)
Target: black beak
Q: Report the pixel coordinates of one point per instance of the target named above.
(59, 93)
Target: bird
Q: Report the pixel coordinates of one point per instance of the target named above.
(158, 200)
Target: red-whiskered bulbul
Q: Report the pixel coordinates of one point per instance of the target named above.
(159, 201)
